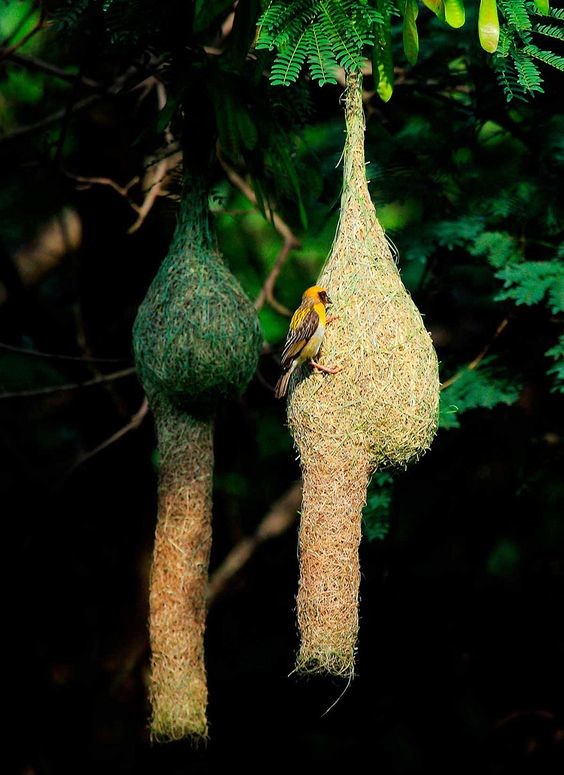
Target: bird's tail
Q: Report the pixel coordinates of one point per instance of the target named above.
(282, 385)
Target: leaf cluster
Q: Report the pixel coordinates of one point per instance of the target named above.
(324, 33)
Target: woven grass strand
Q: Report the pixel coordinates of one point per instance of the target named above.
(197, 341)
(380, 410)
(179, 577)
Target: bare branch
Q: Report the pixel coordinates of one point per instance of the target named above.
(479, 358)
(100, 379)
(48, 121)
(156, 181)
(40, 66)
(290, 240)
(132, 425)
(116, 88)
(57, 356)
(280, 518)
(7, 51)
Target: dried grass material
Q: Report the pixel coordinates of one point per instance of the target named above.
(179, 578)
(197, 342)
(380, 410)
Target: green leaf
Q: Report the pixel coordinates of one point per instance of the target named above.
(548, 57)
(549, 30)
(437, 7)
(483, 387)
(499, 247)
(488, 25)
(410, 35)
(321, 61)
(557, 370)
(382, 59)
(530, 282)
(543, 6)
(376, 512)
(504, 558)
(455, 15)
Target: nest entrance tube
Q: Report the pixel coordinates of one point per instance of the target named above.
(179, 577)
(380, 410)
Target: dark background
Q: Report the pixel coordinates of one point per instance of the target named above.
(461, 656)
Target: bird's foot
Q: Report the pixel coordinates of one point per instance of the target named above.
(331, 319)
(326, 369)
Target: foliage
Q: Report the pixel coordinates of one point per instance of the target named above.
(483, 387)
(557, 369)
(533, 281)
(377, 511)
(327, 33)
(340, 32)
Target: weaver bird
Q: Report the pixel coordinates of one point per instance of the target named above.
(305, 335)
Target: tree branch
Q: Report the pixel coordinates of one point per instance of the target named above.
(40, 66)
(290, 240)
(58, 357)
(479, 358)
(116, 88)
(100, 379)
(9, 50)
(281, 516)
(132, 425)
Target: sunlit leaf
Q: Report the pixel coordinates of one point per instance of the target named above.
(543, 6)
(455, 14)
(410, 36)
(488, 25)
(382, 60)
(437, 6)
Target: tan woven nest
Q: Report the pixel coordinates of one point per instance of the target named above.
(380, 410)
(179, 577)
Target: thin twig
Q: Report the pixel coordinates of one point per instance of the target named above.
(132, 425)
(48, 121)
(290, 240)
(279, 518)
(100, 379)
(57, 356)
(40, 66)
(118, 86)
(9, 50)
(88, 182)
(479, 358)
(20, 24)
(154, 182)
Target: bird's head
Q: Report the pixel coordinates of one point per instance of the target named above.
(316, 294)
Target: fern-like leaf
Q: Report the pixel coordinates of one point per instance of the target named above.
(527, 72)
(289, 61)
(483, 387)
(549, 30)
(516, 14)
(532, 282)
(376, 513)
(548, 57)
(321, 62)
(557, 13)
(557, 370)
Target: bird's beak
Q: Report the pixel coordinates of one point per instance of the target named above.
(328, 299)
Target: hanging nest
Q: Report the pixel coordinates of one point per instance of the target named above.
(380, 410)
(197, 341)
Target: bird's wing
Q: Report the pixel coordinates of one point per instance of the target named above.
(303, 326)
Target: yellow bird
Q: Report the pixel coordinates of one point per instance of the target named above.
(305, 335)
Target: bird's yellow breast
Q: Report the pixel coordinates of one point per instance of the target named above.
(311, 348)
